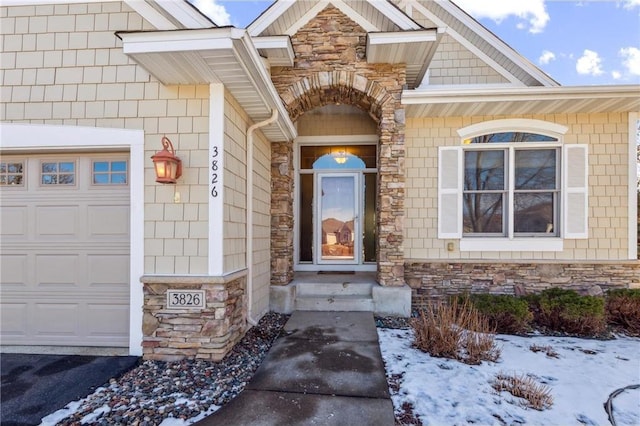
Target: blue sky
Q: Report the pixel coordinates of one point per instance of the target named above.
(577, 43)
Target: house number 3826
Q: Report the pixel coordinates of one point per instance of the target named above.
(214, 175)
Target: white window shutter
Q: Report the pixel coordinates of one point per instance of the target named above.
(575, 192)
(450, 192)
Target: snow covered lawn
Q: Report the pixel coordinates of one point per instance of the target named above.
(581, 378)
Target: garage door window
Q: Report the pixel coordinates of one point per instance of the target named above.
(12, 173)
(58, 173)
(109, 172)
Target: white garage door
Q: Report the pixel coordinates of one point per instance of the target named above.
(64, 246)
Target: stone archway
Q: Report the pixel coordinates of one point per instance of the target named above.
(330, 67)
(379, 96)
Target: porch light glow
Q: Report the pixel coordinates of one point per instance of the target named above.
(340, 157)
(168, 167)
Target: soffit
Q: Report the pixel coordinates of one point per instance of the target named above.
(216, 55)
(288, 16)
(414, 48)
(454, 102)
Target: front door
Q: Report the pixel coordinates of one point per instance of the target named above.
(336, 208)
(337, 224)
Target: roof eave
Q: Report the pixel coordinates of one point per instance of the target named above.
(183, 57)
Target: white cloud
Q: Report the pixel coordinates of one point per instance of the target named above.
(631, 59)
(216, 12)
(546, 57)
(616, 75)
(630, 4)
(589, 63)
(532, 11)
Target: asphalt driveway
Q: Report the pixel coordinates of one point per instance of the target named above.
(34, 386)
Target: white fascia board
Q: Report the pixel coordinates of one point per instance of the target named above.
(178, 41)
(355, 16)
(499, 44)
(311, 13)
(419, 36)
(251, 61)
(488, 93)
(269, 16)
(151, 15)
(396, 15)
(272, 42)
(467, 44)
(186, 14)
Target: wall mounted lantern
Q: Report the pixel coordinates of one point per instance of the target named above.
(340, 156)
(168, 167)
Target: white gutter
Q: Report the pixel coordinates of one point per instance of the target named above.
(499, 93)
(249, 220)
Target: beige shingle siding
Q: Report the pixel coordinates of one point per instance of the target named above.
(607, 138)
(455, 64)
(261, 223)
(62, 64)
(235, 184)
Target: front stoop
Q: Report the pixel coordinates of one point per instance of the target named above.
(339, 293)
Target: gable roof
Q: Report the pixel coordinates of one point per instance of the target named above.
(475, 36)
(286, 17)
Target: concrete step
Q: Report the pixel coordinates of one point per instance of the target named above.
(334, 303)
(334, 289)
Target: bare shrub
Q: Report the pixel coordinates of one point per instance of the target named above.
(456, 331)
(623, 309)
(548, 350)
(536, 395)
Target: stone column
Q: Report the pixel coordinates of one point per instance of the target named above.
(281, 213)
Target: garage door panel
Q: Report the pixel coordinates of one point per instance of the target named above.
(108, 272)
(57, 221)
(13, 222)
(56, 319)
(14, 319)
(108, 222)
(57, 270)
(107, 320)
(14, 271)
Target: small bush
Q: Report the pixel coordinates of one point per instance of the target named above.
(456, 331)
(537, 396)
(568, 312)
(507, 314)
(623, 309)
(551, 353)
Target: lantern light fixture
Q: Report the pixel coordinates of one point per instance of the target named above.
(168, 167)
(340, 156)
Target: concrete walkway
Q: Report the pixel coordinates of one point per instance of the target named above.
(326, 370)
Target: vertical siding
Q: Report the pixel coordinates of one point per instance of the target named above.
(607, 137)
(62, 64)
(334, 124)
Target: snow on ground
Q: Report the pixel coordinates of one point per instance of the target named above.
(581, 378)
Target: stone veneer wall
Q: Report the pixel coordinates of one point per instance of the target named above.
(281, 213)
(209, 333)
(330, 68)
(432, 281)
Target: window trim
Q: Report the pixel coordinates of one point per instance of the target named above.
(507, 243)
